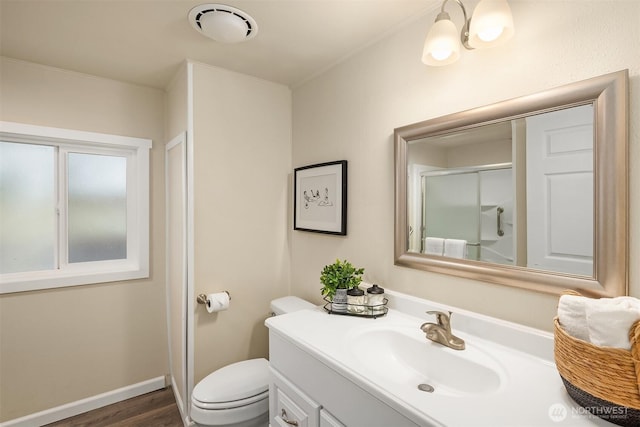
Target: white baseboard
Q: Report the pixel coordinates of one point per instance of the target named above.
(81, 406)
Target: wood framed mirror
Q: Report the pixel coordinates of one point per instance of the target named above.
(548, 208)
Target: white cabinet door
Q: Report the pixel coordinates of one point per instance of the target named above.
(560, 190)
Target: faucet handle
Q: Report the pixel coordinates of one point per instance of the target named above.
(439, 313)
(442, 318)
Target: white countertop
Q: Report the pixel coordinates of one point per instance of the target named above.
(531, 391)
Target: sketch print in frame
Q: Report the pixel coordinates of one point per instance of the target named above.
(320, 198)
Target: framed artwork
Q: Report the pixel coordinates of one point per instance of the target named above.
(320, 198)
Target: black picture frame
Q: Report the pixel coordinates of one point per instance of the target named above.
(320, 198)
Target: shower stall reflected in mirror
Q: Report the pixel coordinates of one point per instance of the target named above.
(469, 213)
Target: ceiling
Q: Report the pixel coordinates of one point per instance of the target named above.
(145, 41)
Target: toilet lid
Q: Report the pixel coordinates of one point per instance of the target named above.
(233, 382)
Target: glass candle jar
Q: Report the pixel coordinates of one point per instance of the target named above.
(356, 301)
(375, 299)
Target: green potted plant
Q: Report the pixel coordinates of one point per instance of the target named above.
(337, 279)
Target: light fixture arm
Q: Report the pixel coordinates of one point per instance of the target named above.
(464, 34)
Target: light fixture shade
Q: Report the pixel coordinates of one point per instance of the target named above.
(223, 27)
(442, 45)
(491, 24)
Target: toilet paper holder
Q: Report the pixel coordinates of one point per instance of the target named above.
(202, 298)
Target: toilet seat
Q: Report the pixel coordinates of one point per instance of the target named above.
(231, 404)
(233, 386)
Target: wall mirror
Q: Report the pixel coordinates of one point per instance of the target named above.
(530, 192)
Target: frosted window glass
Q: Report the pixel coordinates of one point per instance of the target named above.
(97, 207)
(27, 207)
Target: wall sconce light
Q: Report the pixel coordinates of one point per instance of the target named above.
(490, 25)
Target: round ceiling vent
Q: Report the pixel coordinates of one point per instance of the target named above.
(223, 23)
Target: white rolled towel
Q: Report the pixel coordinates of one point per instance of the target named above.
(609, 321)
(433, 246)
(455, 248)
(572, 315)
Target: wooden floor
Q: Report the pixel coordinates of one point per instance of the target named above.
(155, 409)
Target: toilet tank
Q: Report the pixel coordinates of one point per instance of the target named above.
(289, 305)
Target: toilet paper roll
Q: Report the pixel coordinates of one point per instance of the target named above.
(218, 301)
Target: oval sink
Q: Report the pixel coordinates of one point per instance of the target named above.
(405, 357)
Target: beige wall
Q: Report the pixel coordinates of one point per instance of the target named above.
(242, 150)
(62, 345)
(350, 113)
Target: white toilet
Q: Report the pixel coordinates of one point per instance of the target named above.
(237, 395)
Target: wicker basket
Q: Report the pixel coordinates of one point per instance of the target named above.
(603, 380)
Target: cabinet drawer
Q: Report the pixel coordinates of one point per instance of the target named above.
(288, 413)
(289, 406)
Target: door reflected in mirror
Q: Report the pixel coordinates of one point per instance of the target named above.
(517, 192)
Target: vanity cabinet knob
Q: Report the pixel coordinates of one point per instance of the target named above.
(284, 417)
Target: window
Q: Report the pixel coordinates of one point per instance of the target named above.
(74, 207)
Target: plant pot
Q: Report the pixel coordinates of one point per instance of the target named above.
(339, 302)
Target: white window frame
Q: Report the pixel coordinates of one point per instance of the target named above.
(136, 265)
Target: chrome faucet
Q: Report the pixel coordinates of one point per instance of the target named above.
(440, 332)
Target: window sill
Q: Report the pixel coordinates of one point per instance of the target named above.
(86, 275)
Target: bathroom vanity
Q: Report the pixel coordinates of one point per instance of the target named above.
(333, 370)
